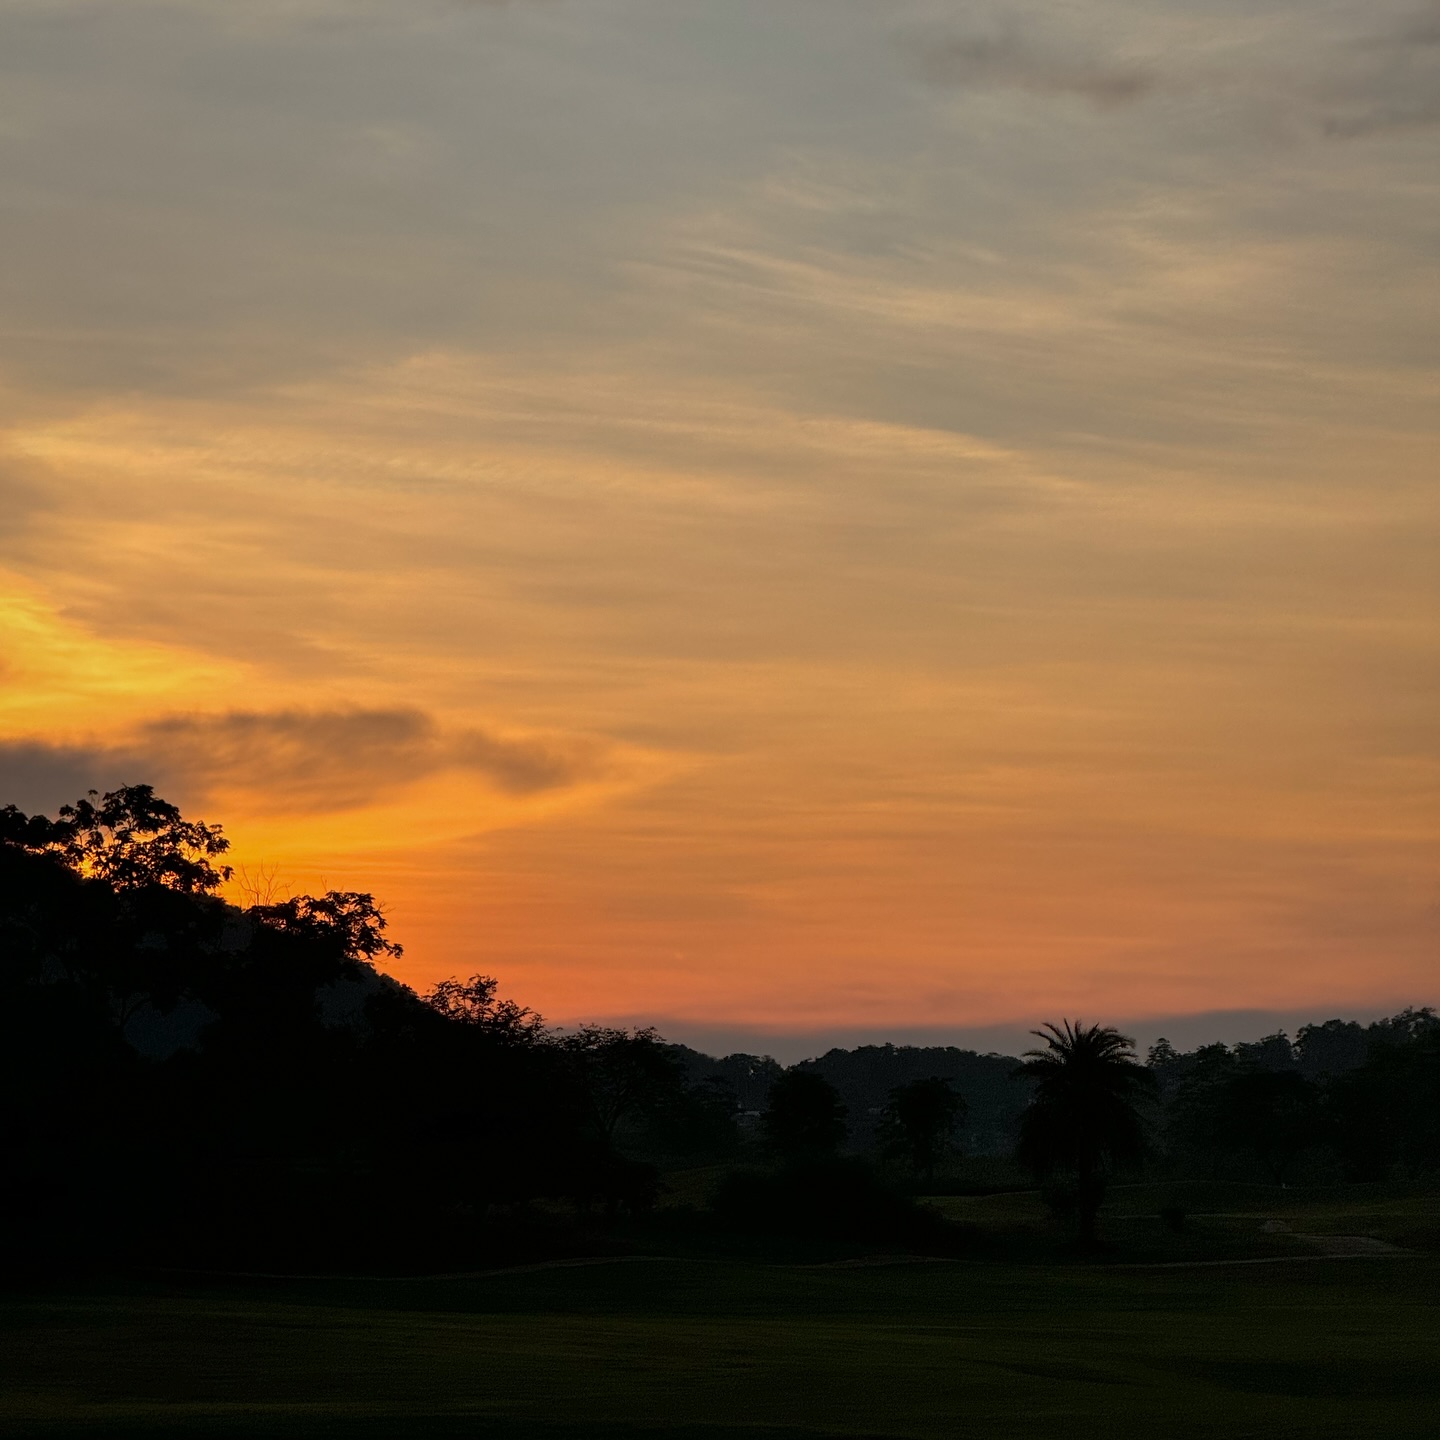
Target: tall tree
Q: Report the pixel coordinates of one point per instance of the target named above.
(1084, 1117)
(921, 1119)
(1194, 1091)
(805, 1118)
(131, 838)
(1270, 1114)
(620, 1073)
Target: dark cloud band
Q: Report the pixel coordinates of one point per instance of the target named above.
(299, 761)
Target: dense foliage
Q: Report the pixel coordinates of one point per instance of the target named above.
(1343, 1101)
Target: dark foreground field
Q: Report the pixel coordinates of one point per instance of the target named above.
(709, 1349)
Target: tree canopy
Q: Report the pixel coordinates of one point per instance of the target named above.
(921, 1119)
(804, 1117)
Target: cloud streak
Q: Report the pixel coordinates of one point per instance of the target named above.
(295, 761)
(1007, 60)
(1393, 85)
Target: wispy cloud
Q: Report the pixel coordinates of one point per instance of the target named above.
(1421, 29)
(39, 776)
(1008, 59)
(1391, 83)
(295, 761)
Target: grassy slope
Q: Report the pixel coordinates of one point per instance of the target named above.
(1314, 1349)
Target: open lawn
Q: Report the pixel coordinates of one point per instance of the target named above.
(700, 1348)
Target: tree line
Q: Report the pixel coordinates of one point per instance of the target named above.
(303, 1109)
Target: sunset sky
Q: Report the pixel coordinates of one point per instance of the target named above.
(778, 516)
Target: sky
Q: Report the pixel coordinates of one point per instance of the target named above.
(775, 518)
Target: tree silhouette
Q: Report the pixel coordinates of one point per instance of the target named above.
(1271, 1114)
(805, 1118)
(131, 838)
(620, 1073)
(473, 1002)
(347, 923)
(921, 1119)
(116, 897)
(1084, 1117)
(1192, 1087)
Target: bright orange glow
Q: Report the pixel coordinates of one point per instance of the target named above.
(908, 516)
(814, 791)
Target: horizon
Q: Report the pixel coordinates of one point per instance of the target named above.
(1185, 1032)
(794, 520)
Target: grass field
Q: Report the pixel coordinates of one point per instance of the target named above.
(722, 1348)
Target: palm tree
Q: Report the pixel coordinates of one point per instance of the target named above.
(1084, 1117)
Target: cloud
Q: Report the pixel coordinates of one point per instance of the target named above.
(524, 767)
(1395, 86)
(1382, 119)
(306, 762)
(1378, 80)
(1009, 61)
(40, 777)
(301, 760)
(1422, 29)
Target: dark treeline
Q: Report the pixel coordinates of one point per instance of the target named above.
(192, 1083)
(1342, 1101)
(865, 1078)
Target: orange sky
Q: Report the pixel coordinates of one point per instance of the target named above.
(912, 541)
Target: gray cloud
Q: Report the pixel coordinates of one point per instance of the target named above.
(1376, 81)
(1008, 60)
(1382, 119)
(1396, 84)
(326, 760)
(525, 767)
(40, 778)
(1422, 29)
(301, 761)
